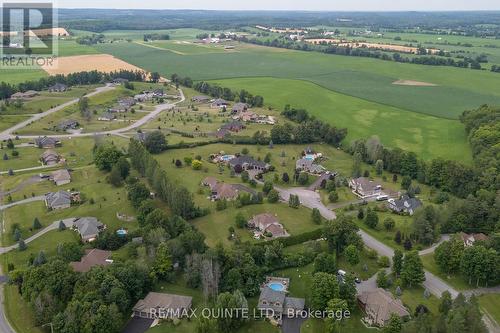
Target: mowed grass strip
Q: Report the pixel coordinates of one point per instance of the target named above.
(428, 136)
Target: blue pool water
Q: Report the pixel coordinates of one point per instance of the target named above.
(276, 286)
(121, 232)
(309, 157)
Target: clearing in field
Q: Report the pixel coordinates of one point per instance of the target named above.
(99, 62)
(413, 83)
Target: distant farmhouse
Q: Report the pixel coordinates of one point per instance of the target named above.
(58, 87)
(88, 228)
(24, 95)
(92, 258)
(404, 205)
(45, 142)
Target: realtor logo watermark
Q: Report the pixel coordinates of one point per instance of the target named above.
(28, 33)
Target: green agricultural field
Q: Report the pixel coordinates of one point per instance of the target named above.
(72, 48)
(10, 120)
(371, 79)
(425, 135)
(14, 76)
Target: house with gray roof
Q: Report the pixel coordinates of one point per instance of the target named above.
(248, 163)
(46, 142)
(108, 116)
(50, 157)
(276, 303)
(58, 87)
(61, 177)
(364, 187)
(404, 205)
(308, 165)
(67, 125)
(88, 228)
(58, 200)
(219, 103)
(200, 99)
(378, 306)
(239, 107)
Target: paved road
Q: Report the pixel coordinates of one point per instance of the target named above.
(40, 167)
(55, 225)
(8, 133)
(433, 247)
(22, 202)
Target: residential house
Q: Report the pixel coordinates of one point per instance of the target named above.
(308, 165)
(223, 191)
(46, 142)
(248, 163)
(92, 258)
(239, 107)
(119, 80)
(219, 103)
(126, 102)
(108, 116)
(158, 93)
(210, 182)
(233, 126)
(267, 223)
(50, 157)
(162, 306)
(364, 187)
(67, 125)
(58, 200)
(24, 95)
(58, 87)
(378, 306)
(88, 228)
(276, 303)
(404, 205)
(222, 133)
(470, 239)
(61, 177)
(200, 99)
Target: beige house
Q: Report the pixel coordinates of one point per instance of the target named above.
(92, 258)
(162, 306)
(470, 239)
(364, 187)
(378, 306)
(50, 157)
(268, 223)
(61, 177)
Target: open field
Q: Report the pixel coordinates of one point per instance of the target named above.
(370, 79)
(80, 63)
(69, 47)
(425, 135)
(491, 304)
(10, 120)
(14, 76)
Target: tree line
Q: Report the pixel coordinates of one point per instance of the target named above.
(421, 59)
(81, 78)
(217, 91)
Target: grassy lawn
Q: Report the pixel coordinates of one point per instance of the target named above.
(411, 298)
(456, 281)
(491, 304)
(353, 324)
(18, 312)
(7, 121)
(76, 151)
(92, 184)
(215, 226)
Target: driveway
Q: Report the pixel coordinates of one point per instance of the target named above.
(138, 325)
(22, 202)
(292, 325)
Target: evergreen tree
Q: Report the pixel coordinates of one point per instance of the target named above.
(412, 272)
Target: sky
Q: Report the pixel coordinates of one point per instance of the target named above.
(312, 5)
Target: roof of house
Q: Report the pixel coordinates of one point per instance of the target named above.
(294, 303)
(49, 154)
(407, 203)
(210, 181)
(225, 191)
(61, 175)
(238, 107)
(265, 220)
(93, 257)
(269, 297)
(473, 237)
(382, 303)
(46, 140)
(220, 101)
(108, 115)
(88, 226)
(58, 86)
(244, 159)
(366, 184)
(200, 98)
(59, 198)
(68, 123)
(222, 132)
(233, 126)
(163, 301)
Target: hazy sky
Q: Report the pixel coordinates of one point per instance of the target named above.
(327, 5)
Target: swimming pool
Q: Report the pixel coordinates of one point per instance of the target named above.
(121, 232)
(276, 286)
(309, 157)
